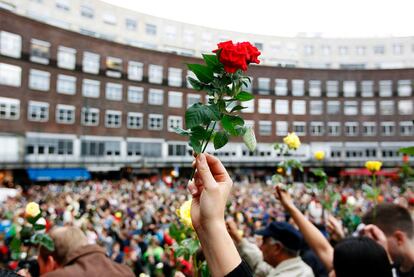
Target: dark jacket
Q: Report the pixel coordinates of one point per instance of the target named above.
(90, 261)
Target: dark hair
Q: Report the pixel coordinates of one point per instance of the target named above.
(390, 218)
(8, 273)
(361, 257)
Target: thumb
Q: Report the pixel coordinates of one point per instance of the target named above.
(204, 171)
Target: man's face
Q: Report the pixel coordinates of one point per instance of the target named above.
(47, 265)
(401, 250)
(269, 250)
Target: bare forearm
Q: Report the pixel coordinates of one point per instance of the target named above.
(218, 248)
(313, 237)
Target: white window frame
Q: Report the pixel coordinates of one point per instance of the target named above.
(317, 124)
(175, 99)
(386, 132)
(385, 88)
(155, 73)
(66, 57)
(266, 123)
(195, 97)
(315, 89)
(282, 128)
(406, 125)
(336, 125)
(281, 87)
(403, 110)
(91, 111)
(91, 62)
(135, 70)
(249, 106)
(370, 125)
(135, 94)
(404, 88)
(155, 116)
(67, 108)
(299, 123)
(110, 88)
(8, 106)
(34, 84)
(349, 88)
(155, 97)
(41, 44)
(177, 119)
(90, 82)
(135, 115)
(298, 87)
(313, 110)
(265, 106)
(10, 44)
(367, 88)
(351, 124)
(39, 104)
(10, 75)
(66, 84)
(175, 76)
(387, 103)
(332, 88)
(350, 108)
(369, 111)
(281, 106)
(263, 85)
(299, 107)
(114, 113)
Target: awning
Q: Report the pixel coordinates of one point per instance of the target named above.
(365, 172)
(58, 174)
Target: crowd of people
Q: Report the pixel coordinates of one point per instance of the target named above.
(282, 232)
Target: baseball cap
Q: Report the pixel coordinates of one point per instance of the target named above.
(284, 232)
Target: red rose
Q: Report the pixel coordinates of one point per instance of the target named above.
(343, 199)
(237, 56)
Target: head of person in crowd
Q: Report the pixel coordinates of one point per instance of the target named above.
(360, 257)
(281, 241)
(66, 240)
(397, 225)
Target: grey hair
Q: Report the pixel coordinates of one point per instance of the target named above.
(290, 252)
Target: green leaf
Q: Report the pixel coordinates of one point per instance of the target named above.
(214, 112)
(199, 133)
(43, 240)
(220, 139)
(407, 150)
(212, 61)
(195, 84)
(319, 172)
(237, 108)
(199, 114)
(181, 131)
(39, 227)
(32, 220)
(15, 256)
(180, 252)
(196, 145)
(244, 96)
(203, 73)
(15, 244)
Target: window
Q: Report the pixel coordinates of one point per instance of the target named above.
(174, 77)
(385, 88)
(265, 106)
(299, 128)
(369, 128)
(135, 120)
(326, 50)
(317, 129)
(66, 84)
(299, 107)
(334, 128)
(113, 119)
(315, 88)
(298, 87)
(135, 94)
(343, 50)
(389, 153)
(66, 57)
(130, 24)
(135, 70)
(86, 11)
(109, 18)
(333, 107)
(113, 67)
(174, 122)
(360, 50)
(155, 122)
(92, 148)
(349, 88)
(90, 88)
(248, 106)
(351, 128)
(368, 108)
(113, 91)
(192, 99)
(388, 128)
(90, 63)
(65, 114)
(90, 116)
(387, 107)
(282, 106)
(265, 128)
(398, 49)
(9, 108)
(406, 128)
(379, 49)
(188, 36)
(350, 107)
(316, 107)
(146, 149)
(38, 111)
(404, 88)
(48, 146)
(332, 88)
(405, 107)
(175, 99)
(177, 150)
(171, 32)
(10, 75)
(155, 96)
(39, 51)
(39, 80)
(281, 88)
(155, 74)
(264, 85)
(308, 50)
(63, 5)
(151, 29)
(10, 44)
(281, 128)
(367, 88)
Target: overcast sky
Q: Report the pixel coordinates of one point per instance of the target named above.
(331, 18)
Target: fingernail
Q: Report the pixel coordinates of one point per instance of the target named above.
(201, 157)
(193, 190)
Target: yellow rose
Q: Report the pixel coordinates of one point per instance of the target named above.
(373, 166)
(319, 155)
(292, 141)
(279, 170)
(32, 209)
(184, 213)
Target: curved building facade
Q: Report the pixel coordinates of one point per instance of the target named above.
(96, 18)
(71, 100)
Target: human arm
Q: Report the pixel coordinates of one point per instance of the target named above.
(210, 189)
(312, 235)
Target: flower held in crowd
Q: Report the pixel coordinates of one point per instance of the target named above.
(319, 155)
(292, 141)
(184, 213)
(32, 209)
(373, 166)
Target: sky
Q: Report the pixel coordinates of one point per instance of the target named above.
(326, 18)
